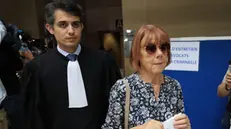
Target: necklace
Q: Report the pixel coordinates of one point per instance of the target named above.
(157, 87)
(160, 82)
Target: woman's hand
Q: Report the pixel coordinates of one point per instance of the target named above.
(182, 122)
(152, 124)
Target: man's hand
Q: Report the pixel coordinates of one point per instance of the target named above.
(27, 54)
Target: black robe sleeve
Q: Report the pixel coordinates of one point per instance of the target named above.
(110, 75)
(31, 97)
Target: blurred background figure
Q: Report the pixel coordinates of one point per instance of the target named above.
(223, 90)
(10, 63)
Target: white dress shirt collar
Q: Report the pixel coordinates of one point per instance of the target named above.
(77, 52)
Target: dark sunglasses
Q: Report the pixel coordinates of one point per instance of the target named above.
(151, 48)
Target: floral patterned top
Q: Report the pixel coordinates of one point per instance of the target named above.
(143, 105)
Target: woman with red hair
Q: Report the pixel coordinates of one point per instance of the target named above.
(154, 97)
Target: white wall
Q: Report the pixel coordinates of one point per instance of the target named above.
(181, 18)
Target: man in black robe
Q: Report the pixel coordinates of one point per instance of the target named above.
(51, 100)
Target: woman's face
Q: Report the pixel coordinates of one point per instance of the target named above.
(154, 57)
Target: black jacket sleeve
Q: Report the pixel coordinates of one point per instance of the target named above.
(110, 75)
(32, 104)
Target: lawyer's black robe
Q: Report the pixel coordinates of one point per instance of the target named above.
(46, 93)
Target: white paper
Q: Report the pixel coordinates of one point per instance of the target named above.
(76, 90)
(169, 123)
(185, 56)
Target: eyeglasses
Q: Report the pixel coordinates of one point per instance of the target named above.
(151, 48)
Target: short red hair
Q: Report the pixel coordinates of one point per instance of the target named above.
(146, 34)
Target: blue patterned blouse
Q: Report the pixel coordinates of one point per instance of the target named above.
(143, 105)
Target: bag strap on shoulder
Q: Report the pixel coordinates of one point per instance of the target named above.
(127, 104)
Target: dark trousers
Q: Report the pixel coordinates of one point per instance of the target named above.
(13, 107)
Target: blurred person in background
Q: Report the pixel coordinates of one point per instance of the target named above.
(223, 90)
(10, 62)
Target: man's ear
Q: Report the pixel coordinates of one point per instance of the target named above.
(50, 28)
(82, 26)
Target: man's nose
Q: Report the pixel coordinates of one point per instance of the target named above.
(70, 29)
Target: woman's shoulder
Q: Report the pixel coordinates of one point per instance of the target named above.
(120, 84)
(172, 81)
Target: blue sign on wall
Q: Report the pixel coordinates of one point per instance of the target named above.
(204, 108)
